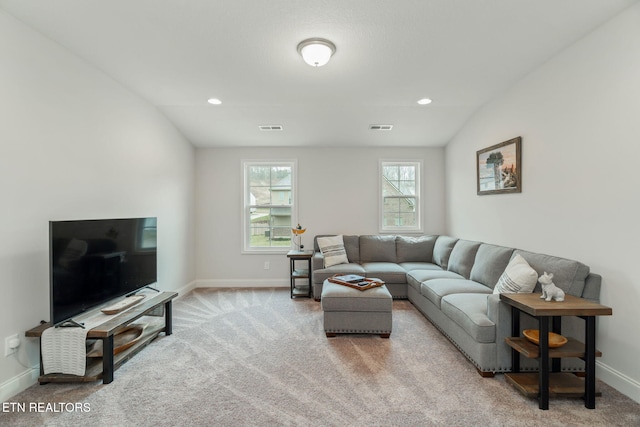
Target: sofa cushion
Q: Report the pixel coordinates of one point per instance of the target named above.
(323, 274)
(442, 250)
(518, 277)
(408, 266)
(469, 311)
(377, 249)
(462, 257)
(435, 289)
(352, 246)
(568, 275)
(388, 272)
(490, 263)
(416, 277)
(415, 249)
(333, 251)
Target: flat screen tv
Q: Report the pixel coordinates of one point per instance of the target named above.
(94, 261)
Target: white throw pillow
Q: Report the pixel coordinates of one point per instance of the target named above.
(518, 277)
(332, 249)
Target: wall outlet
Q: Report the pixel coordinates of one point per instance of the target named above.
(11, 344)
(266, 265)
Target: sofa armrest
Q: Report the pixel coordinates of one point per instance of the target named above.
(592, 285)
(500, 314)
(317, 262)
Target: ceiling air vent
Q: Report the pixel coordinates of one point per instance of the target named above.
(270, 128)
(380, 127)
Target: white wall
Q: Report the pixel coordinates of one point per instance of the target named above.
(578, 116)
(75, 144)
(338, 193)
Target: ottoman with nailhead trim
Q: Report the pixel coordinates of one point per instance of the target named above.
(351, 311)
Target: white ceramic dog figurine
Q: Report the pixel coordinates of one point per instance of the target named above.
(549, 289)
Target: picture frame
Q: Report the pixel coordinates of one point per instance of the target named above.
(499, 168)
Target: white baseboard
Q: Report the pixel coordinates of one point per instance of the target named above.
(625, 385)
(182, 291)
(242, 283)
(18, 384)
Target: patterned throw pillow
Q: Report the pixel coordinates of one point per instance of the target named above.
(332, 249)
(518, 277)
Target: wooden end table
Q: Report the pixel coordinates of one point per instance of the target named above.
(561, 383)
(303, 273)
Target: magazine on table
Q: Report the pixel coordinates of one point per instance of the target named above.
(351, 278)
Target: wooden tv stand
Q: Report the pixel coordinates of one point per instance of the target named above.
(103, 368)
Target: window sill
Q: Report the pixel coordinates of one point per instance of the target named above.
(267, 251)
(401, 230)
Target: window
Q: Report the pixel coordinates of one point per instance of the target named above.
(269, 205)
(148, 232)
(400, 196)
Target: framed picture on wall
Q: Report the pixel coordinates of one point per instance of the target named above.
(499, 168)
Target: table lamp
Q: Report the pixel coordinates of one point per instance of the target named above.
(297, 233)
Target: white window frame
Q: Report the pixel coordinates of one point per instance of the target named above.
(246, 205)
(142, 227)
(418, 197)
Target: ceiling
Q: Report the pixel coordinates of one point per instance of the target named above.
(177, 54)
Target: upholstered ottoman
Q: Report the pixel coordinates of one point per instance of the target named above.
(351, 311)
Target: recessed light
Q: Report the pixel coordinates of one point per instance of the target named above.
(269, 128)
(381, 127)
(424, 101)
(214, 101)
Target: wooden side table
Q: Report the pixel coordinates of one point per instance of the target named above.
(560, 383)
(305, 290)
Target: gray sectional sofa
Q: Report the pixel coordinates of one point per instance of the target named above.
(451, 282)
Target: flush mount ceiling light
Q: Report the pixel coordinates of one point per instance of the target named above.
(214, 101)
(316, 52)
(424, 101)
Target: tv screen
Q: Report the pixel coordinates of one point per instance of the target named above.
(94, 261)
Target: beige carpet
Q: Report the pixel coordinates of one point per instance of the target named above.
(254, 357)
